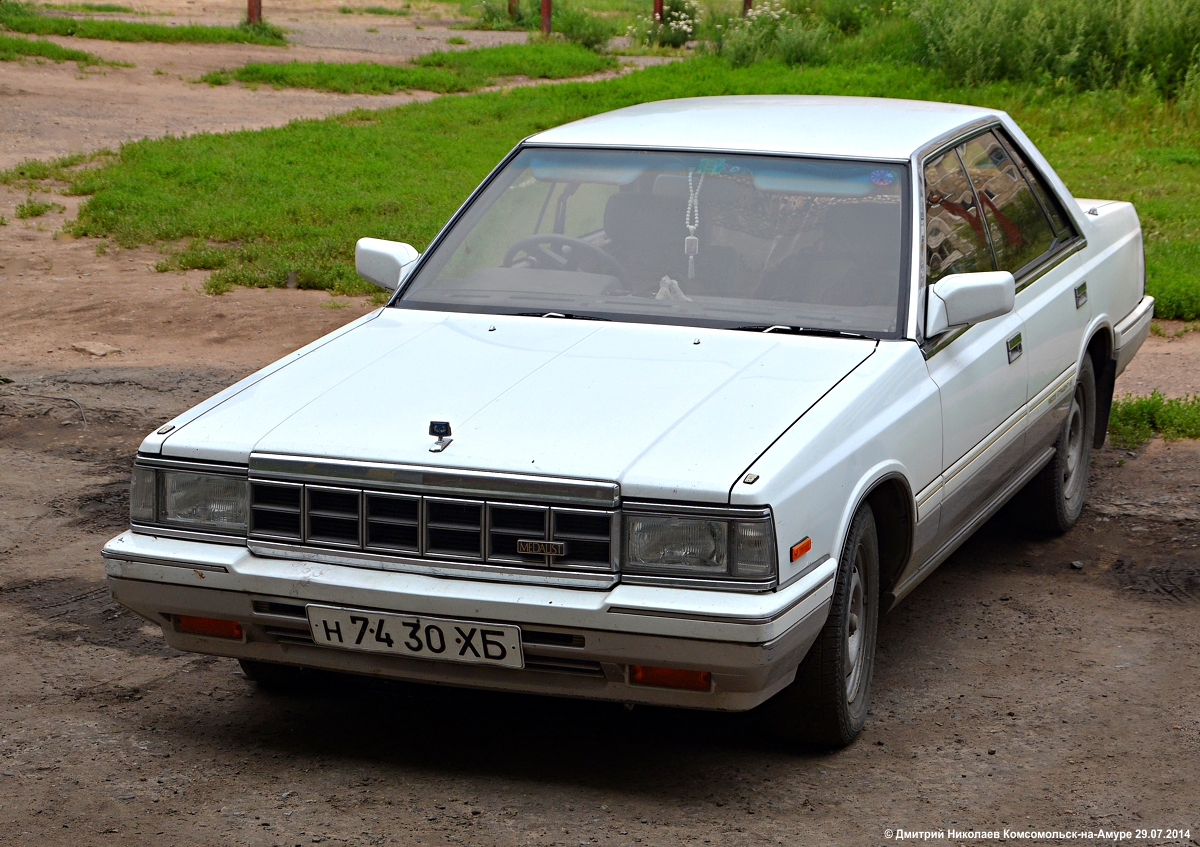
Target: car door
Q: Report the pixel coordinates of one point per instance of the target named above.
(1032, 238)
(981, 372)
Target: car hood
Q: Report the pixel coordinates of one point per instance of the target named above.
(665, 411)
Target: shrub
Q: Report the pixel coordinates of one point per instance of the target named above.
(583, 28)
(1087, 43)
(675, 29)
(848, 16)
(771, 31)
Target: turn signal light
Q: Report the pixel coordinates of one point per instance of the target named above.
(208, 626)
(670, 678)
(801, 547)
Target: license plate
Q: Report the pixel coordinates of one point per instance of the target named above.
(417, 637)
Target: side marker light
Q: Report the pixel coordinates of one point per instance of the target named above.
(215, 627)
(801, 547)
(670, 678)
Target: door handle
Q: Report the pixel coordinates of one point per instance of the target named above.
(1014, 348)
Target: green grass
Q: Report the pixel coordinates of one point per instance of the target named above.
(376, 10)
(90, 7)
(305, 192)
(348, 78)
(443, 72)
(20, 17)
(13, 48)
(544, 60)
(1134, 420)
(36, 208)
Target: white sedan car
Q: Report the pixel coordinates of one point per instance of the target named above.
(681, 399)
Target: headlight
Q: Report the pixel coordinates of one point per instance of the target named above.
(677, 545)
(202, 501)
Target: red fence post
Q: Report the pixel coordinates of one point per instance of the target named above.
(746, 6)
(658, 12)
(512, 9)
(545, 17)
(253, 11)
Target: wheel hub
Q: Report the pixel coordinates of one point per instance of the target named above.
(855, 618)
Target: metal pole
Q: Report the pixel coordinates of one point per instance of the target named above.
(545, 17)
(253, 11)
(658, 10)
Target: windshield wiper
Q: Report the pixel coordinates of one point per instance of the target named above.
(564, 315)
(802, 330)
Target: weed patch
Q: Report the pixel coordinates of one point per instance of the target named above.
(33, 172)
(1134, 420)
(36, 208)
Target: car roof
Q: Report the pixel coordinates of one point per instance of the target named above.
(852, 127)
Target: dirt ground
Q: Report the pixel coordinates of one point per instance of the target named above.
(54, 109)
(1027, 683)
(1012, 688)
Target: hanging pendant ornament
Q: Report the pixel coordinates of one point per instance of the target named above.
(691, 220)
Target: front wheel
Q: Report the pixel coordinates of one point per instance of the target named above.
(826, 706)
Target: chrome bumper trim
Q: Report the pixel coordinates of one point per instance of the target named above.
(756, 620)
(427, 567)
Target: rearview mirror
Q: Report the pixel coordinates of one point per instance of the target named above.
(966, 299)
(385, 263)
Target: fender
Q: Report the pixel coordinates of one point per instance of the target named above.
(896, 550)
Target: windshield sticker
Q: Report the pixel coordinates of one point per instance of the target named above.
(883, 176)
(711, 166)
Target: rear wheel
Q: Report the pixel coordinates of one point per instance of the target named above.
(826, 706)
(1055, 497)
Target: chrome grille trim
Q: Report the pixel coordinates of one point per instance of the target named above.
(449, 482)
(409, 526)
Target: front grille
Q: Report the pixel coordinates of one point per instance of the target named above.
(285, 635)
(412, 525)
(554, 664)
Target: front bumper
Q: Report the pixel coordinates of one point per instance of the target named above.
(576, 642)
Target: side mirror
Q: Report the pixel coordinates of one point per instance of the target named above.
(385, 263)
(965, 299)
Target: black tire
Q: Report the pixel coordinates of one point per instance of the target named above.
(1054, 498)
(826, 706)
(270, 676)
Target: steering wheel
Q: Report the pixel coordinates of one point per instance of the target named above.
(563, 253)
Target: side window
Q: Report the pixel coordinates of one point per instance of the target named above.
(955, 240)
(1061, 223)
(1019, 229)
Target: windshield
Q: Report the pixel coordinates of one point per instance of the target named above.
(705, 239)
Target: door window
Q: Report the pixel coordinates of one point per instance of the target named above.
(955, 238)
(1058, 219)
(1019, 230)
